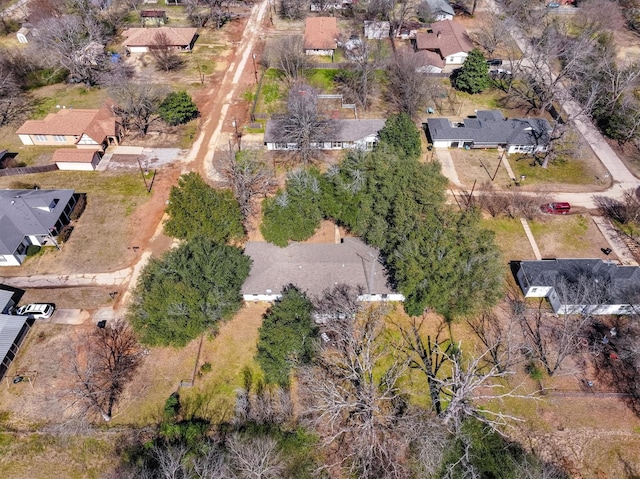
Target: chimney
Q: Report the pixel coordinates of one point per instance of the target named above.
(439, 34)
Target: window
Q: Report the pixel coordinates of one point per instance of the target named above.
(3, 259)
(280, 146)
(21, 248)
(59, 138)
(336, 144)
(41, 137)
(533, 290)
(370, 145)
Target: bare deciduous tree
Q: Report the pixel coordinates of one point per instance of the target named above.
(14, 103)
(409, 90)
(493, 33)
(103, 363)
(71, 42)
(161, 51)
(303, 124)
(249, 177)
(137, 104)
(359, 80)
(202, 12)
(286, 55)
(292, 9)
(353, 399)
(498, 340)
(255, 457)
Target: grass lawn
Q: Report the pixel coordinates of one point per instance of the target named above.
(571, 236)
(76, 297)
(510, 238)
(322, 79)
(574, 172)
(71, 96)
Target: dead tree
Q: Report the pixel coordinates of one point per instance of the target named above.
(249, 178)
(137, 104)
(303, 124)
(103, 363)
(255, 457)
(286, 55)
(162, 52)
(353, 398)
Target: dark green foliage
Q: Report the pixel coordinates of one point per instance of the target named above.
(197, 210)
(473, 77)
(188, 290)
(402, 136)
(294, 213)
(33, 249)
(286, 336)
(178, 108)
(172, 406)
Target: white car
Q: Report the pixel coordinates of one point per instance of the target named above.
(36, 310)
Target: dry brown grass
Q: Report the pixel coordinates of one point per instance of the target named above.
(75, 297)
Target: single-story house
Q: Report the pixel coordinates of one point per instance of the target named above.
(490, 129)
(153, 17)
(429, 62)
(356, 134)
(141, 40)
(587, 286)
(320, 35)
(441, 10)
(76, 159)
(69, 126)
(13, 329)
(327, 5)
(315, 267)
(448, 39)
(376, 30)
(31, 217)
(408, 30)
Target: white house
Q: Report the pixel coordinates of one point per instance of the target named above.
(582, 286)
(490, 129)
(141, 40)
(320, 35)
(31, 217)
(91, 129)
(441, 10)
(76, 159)
(356, 134)
(314, 267)
(448, 39)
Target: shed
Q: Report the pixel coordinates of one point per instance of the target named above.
(76, 159)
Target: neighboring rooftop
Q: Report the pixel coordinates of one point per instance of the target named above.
(346, 130)
(440, 7)
(314, 267)
(97, 124)
(144, 37)
(623, 281)
(445, 36)
(320, 33)
(490, 127)
(73, 155)
(28, 212)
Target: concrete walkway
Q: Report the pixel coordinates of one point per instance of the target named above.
(532, 240)
(618, 246)
(115, 278)
(448, 168)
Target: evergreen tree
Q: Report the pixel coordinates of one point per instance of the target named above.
(401, 134)
(178, 108)
(473, 77)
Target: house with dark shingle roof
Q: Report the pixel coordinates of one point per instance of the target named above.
(490, 129)
(13, 329)
(582, 286)
(69, 126)
(356, 134)
(31, 217)
(448, 39)
(320, 35)
(315, 267)
(441, 10)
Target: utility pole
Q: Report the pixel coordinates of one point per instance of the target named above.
(255, 70)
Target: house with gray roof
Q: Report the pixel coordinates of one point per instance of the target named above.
(13, 329)
(490, 129)
(356, 134)
(582, 286)
(31, 217)
(441, 10)
(315, 267)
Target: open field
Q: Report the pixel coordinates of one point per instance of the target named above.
(88, 298)
(510, 238)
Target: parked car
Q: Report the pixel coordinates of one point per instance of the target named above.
(561, 208)
(494, 62)
(553, 5)
(36, 310)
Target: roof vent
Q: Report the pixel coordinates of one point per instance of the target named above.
(13, 202)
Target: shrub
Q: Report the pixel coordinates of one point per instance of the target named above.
(78, 209)
(206, 367)
(178, 108)
(23, 185)
(33, 249)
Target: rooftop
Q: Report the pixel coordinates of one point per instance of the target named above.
(623, 281)
(314, 267)
(320, 33)
(73, 155)
(143, 37)
(445, 36)
(28, 212)
(490, 127)
(346, 130)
